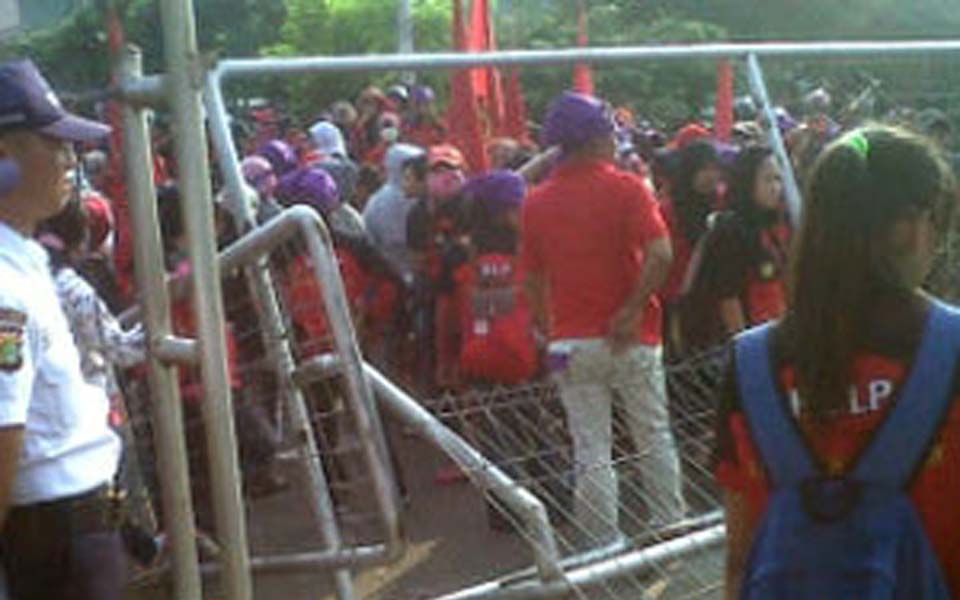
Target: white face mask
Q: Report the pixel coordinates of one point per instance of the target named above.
(389, 134)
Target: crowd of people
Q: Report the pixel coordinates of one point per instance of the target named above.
(587, 260)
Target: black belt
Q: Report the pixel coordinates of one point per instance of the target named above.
(96, 510)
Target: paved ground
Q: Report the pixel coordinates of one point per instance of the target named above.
(450, 547)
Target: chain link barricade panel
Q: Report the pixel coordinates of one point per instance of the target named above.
(324, 391)
(273, 446)
(525, 430)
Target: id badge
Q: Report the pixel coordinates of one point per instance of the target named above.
(481, 327)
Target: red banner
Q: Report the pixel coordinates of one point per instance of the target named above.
(723, 119)
(487, 83)
(463, 115)
(582, 73)
(515, 110)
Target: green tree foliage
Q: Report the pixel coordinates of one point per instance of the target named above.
(74, 51)
(351, 27)
(668, 93)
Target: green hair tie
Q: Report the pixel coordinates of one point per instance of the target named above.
(859, 143)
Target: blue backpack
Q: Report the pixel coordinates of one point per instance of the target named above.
(857, 535)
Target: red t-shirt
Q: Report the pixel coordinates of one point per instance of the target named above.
(424, 133)
(495, 323)
(185, 325)
(935, 490)
(305, 298)
(585, 229)
(682, 254)
(767, 291)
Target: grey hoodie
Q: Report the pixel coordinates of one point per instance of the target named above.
(385, 214)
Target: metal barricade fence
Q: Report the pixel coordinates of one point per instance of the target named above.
(532, 479)
(342, 492)
(524, 430)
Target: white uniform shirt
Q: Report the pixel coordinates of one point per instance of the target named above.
(68, 446)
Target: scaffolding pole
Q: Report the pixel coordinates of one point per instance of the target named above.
(185, 70)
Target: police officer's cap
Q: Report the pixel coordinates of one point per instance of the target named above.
(27, 102)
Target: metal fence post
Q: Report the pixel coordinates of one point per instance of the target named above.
(185, 71)
(169, 442)
(759, 87)
(405, 36)
(274, 335)
(366, 413)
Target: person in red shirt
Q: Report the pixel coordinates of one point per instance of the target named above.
(436, 244)
(495, 328)
(421, 125)
(596, 250)
(498, 353)
(878, 201)
(366, 129)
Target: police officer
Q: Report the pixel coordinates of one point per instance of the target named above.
(57, 453)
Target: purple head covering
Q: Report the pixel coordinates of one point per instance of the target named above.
(496, 191)
(280, 155)
(422, 94)
(727, 153)
(258, 172)
(574, 119)
(785, 120)
(311, 186)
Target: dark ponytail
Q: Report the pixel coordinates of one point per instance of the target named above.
(858, 189)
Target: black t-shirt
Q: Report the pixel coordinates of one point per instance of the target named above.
(437, 233)
(731, 257)
(429, 227)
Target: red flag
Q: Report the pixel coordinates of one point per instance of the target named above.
(723, 119)
(115, 186)
(487, 84)
(515, 110)
(462, 114)
(582, 74)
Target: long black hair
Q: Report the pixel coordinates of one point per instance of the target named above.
(692, 207)
(740, 194)
(859, 188)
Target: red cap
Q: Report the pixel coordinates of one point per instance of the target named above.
(99, 218)
(445, 154)
(689, 133)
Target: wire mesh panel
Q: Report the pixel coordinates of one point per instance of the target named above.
(525, 430)
(285, 434)
(325, 391)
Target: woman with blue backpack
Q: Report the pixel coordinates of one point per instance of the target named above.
(838, 438)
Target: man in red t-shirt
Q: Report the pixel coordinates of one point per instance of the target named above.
(595, 249)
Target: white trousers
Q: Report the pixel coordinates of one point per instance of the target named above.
(590, 379)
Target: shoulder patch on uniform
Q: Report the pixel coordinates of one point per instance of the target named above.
(13, 323)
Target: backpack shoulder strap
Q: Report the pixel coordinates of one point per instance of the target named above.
(776, 435)
(907, 432)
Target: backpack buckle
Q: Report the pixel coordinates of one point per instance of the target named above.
(829, 498)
